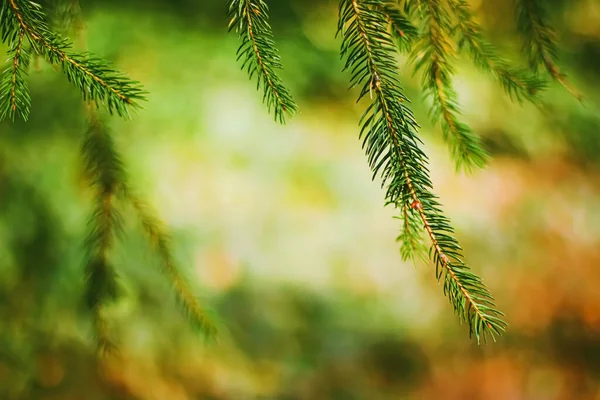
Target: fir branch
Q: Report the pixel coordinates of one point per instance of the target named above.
(392, 147)
(198, 316)
(250, 20)
(154, 231)
(403, 31)
(540, 41)
(15, 100)
(519, 84)
(97, 80)
(104, 170)
(432, 55)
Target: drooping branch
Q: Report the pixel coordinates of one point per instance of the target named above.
(433, 55)
(403, 31)
(519, 84)
(97, 80)
(259, 56)
(393, 150)
(200, 317)
(105, 173)
(539, 41)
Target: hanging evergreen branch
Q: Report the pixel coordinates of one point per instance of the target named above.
(519, 84)
(192, 309)
(104, 170)
(403, 31)
(432, 55)
(103, 165)
(15, 99)
(97, 80)
(106, 173)
(540, 41)
(249, 18)
(392, 146)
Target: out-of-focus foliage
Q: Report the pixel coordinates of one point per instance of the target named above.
(283, 226)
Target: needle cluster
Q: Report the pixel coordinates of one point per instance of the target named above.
(25, 29)
(250, 19)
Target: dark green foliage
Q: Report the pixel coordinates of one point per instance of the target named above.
(394, 153)
(259, 56)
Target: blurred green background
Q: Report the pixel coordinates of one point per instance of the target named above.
(284, 234)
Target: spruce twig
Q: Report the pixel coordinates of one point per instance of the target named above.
(97, 80)
(432, 55)
(15, 100)
(519, 84)
(104, 170)
(540, 41)
(403, 31)
(392, 147)
(108, 163)
(197, 315)
(259, 56)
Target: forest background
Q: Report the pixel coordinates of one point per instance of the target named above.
(284, 231)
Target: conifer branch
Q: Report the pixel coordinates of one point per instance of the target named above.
(15, 99)
(392, 147)
(198, 316)
(519, 84)
(259, 56)
(540, 41)
(97, 80)
(104, 170)
(402, 29)
(432, 55)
